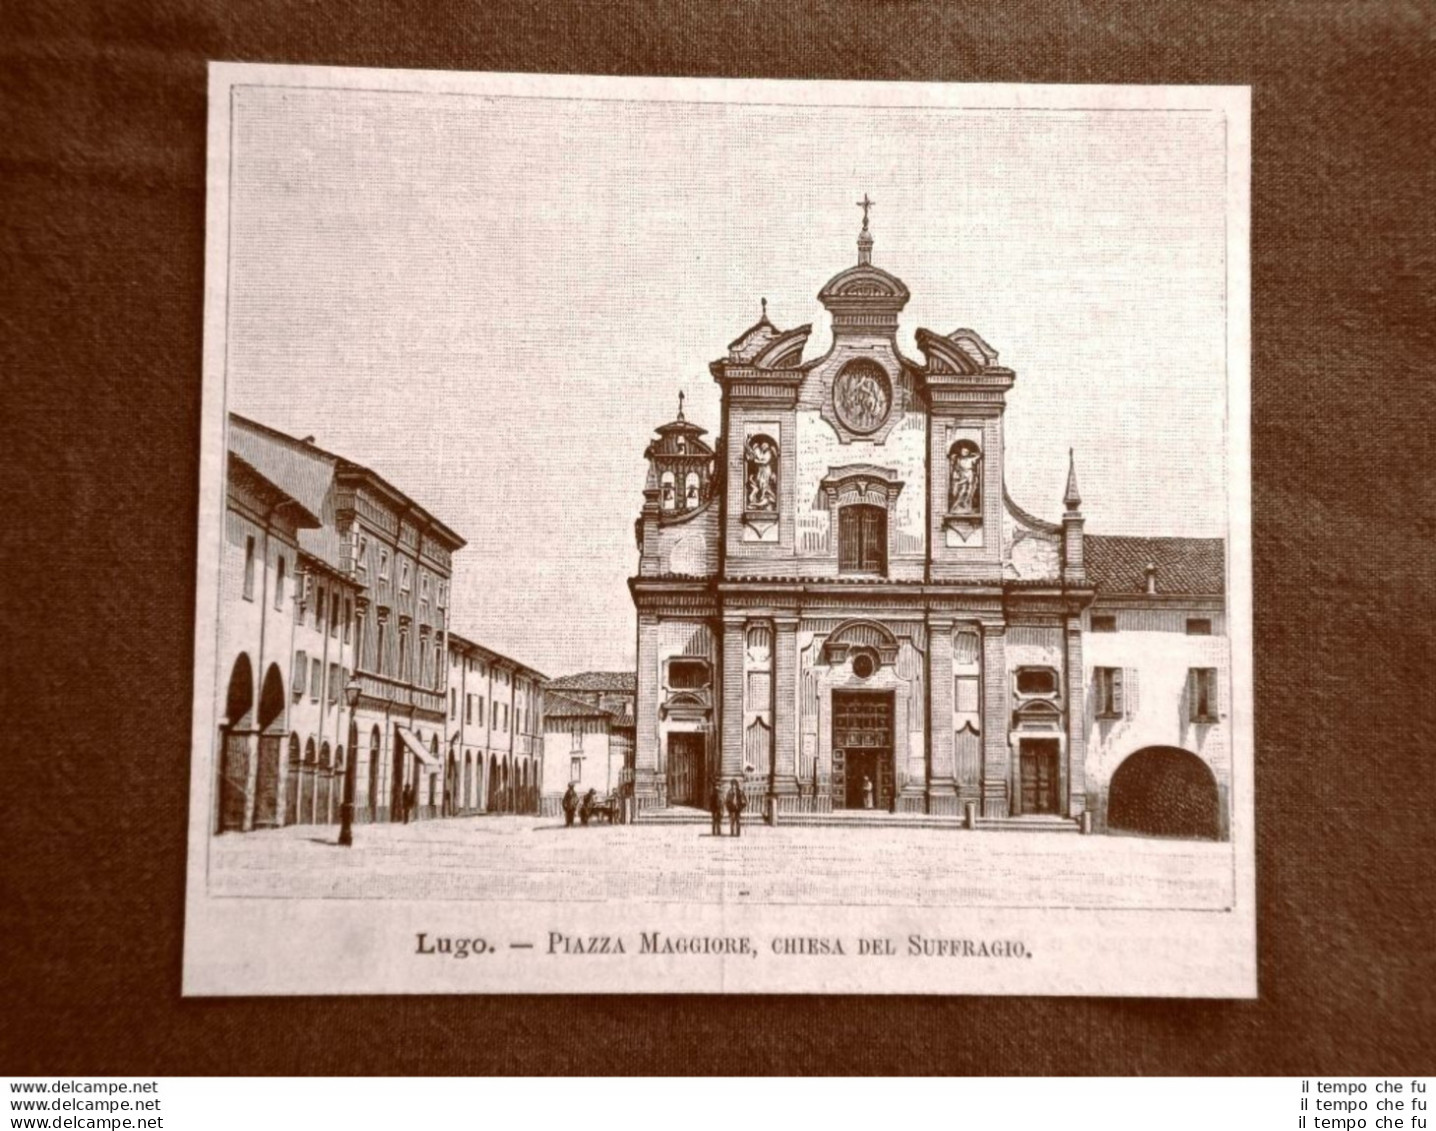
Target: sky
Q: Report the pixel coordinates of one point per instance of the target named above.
(493, 301)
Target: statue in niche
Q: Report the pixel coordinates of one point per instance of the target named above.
(965, 483)
(761, 455)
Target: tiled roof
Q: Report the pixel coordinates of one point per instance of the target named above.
(301, 470)
(597, 681)
(557, 706)
(461, 643)
(1185, 566)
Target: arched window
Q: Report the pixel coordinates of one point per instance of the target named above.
(690, 490)
(669, 502)
(279, 579)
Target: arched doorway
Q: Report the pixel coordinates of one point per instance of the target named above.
(375, 743)
(337, 793)
(523, 805)
(491, 802)
(324, 786)
(398, 763)
(1164, 791)
(306, 783)
(291, 782)
(235, 743)
(451, 784)
(434, 775)
(271, 744)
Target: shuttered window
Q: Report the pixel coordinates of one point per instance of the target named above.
(1202, 695)
(1109, 692)
(862, 539)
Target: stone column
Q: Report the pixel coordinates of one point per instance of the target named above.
(731, 727)
(647, 784)
(996, 721)
(941, 785)
(784, 782)
(1076, 720)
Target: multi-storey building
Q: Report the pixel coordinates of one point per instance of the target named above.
(840, 606)
(336, 587)
(496, 745)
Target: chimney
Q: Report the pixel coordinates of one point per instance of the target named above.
(1152, 577)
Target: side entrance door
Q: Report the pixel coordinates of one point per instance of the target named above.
(685, 769)
(1040, 776)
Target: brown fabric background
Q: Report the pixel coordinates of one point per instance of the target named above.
(102, 169)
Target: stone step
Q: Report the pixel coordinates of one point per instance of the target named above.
(867, 818)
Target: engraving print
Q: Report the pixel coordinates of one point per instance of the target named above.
(537, 624)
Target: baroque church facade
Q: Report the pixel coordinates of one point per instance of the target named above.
(840, 607)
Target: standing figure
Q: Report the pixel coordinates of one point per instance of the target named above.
(762, 458)
(590, 799)
(867, 792)
(736, 804)
(407, 801)
(965, 494)
(715, 806)
(570, 805)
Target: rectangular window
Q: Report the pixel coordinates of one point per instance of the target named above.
(321, 606)
(453, 703)
(403, 656)
(1202, 695)
(379, 656)
(383, 564)
(279, 580)
(424, 586)
(301, 670)
(687, 675)
(468, 709)
(361, 553)
(493, 716)
(333, 684)
(249, 568)
(479, 709)
(348, 618)
(316, 677)
(405, 582)
(1104, 622)
(862, 539)
(1109, 692)
(333, 612)
(575, 768)
(438, 666)
(1199, 626)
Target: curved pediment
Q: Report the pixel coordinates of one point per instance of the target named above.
(943, 355)
(864, 283)
(785, 351)
(860, 634)
(1037, 714)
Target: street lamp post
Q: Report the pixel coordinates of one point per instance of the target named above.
(346, 810)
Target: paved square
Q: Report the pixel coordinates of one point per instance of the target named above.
(529, 858)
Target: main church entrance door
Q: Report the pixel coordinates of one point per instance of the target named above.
(863, 749)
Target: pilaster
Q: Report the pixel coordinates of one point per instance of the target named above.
(1076, 719)
(941, 784)
(784, 781)
(996, 720)
(731, 751)
(647, 782)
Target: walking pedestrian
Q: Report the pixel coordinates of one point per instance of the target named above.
(715, 806)
(736, 804)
